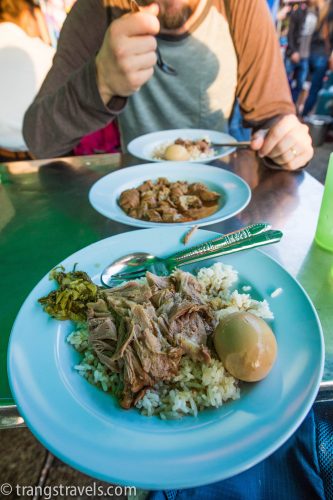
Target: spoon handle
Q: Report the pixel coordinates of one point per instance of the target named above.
(255, 235)
(239, 144)
(220, 242)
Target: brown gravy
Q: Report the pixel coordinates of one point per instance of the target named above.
(201, 213)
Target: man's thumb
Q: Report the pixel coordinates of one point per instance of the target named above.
(257, 140)
(152, 9)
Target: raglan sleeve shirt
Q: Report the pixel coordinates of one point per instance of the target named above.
(69, 105)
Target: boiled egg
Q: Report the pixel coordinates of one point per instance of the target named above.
(176, 152)
(246, 346)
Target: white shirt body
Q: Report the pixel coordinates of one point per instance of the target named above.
(24, 63)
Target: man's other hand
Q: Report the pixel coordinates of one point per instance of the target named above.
(287, 143)
(127, 57)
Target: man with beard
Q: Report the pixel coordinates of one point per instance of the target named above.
(221, 49)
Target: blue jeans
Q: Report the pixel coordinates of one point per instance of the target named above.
(298, 72)
(318, 66)
(301, 469)
(236, 128)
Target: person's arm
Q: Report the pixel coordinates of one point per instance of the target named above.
(69, 105)
(263, 90)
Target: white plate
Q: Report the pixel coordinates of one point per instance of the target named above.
(144, 146)
(105, 193)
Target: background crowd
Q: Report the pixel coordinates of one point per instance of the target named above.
(306, 35)
(29, 30)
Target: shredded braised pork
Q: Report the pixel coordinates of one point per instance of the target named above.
(143, 330)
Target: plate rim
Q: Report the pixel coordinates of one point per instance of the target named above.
(242, 465)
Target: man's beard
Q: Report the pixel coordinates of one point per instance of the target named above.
(174, 19)
(171, 18)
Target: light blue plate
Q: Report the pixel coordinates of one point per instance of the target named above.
(85, 428)
(105, 193)
(143, 147)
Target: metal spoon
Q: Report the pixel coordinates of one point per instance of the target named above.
(135, 265)
(166, 68)
(236, 144)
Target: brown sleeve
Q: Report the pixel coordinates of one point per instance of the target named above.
(68, 105)
(262, 88)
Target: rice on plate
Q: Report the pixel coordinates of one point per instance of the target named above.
(196, 385)
(184, 149)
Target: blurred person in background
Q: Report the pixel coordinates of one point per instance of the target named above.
(25, 59)
(320, 53)
(282, 22)
(302, 25)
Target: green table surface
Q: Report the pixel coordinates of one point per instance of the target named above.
(45, 216)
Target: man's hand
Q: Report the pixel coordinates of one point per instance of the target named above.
(295, 57)
(127, 57)
(287, 143)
